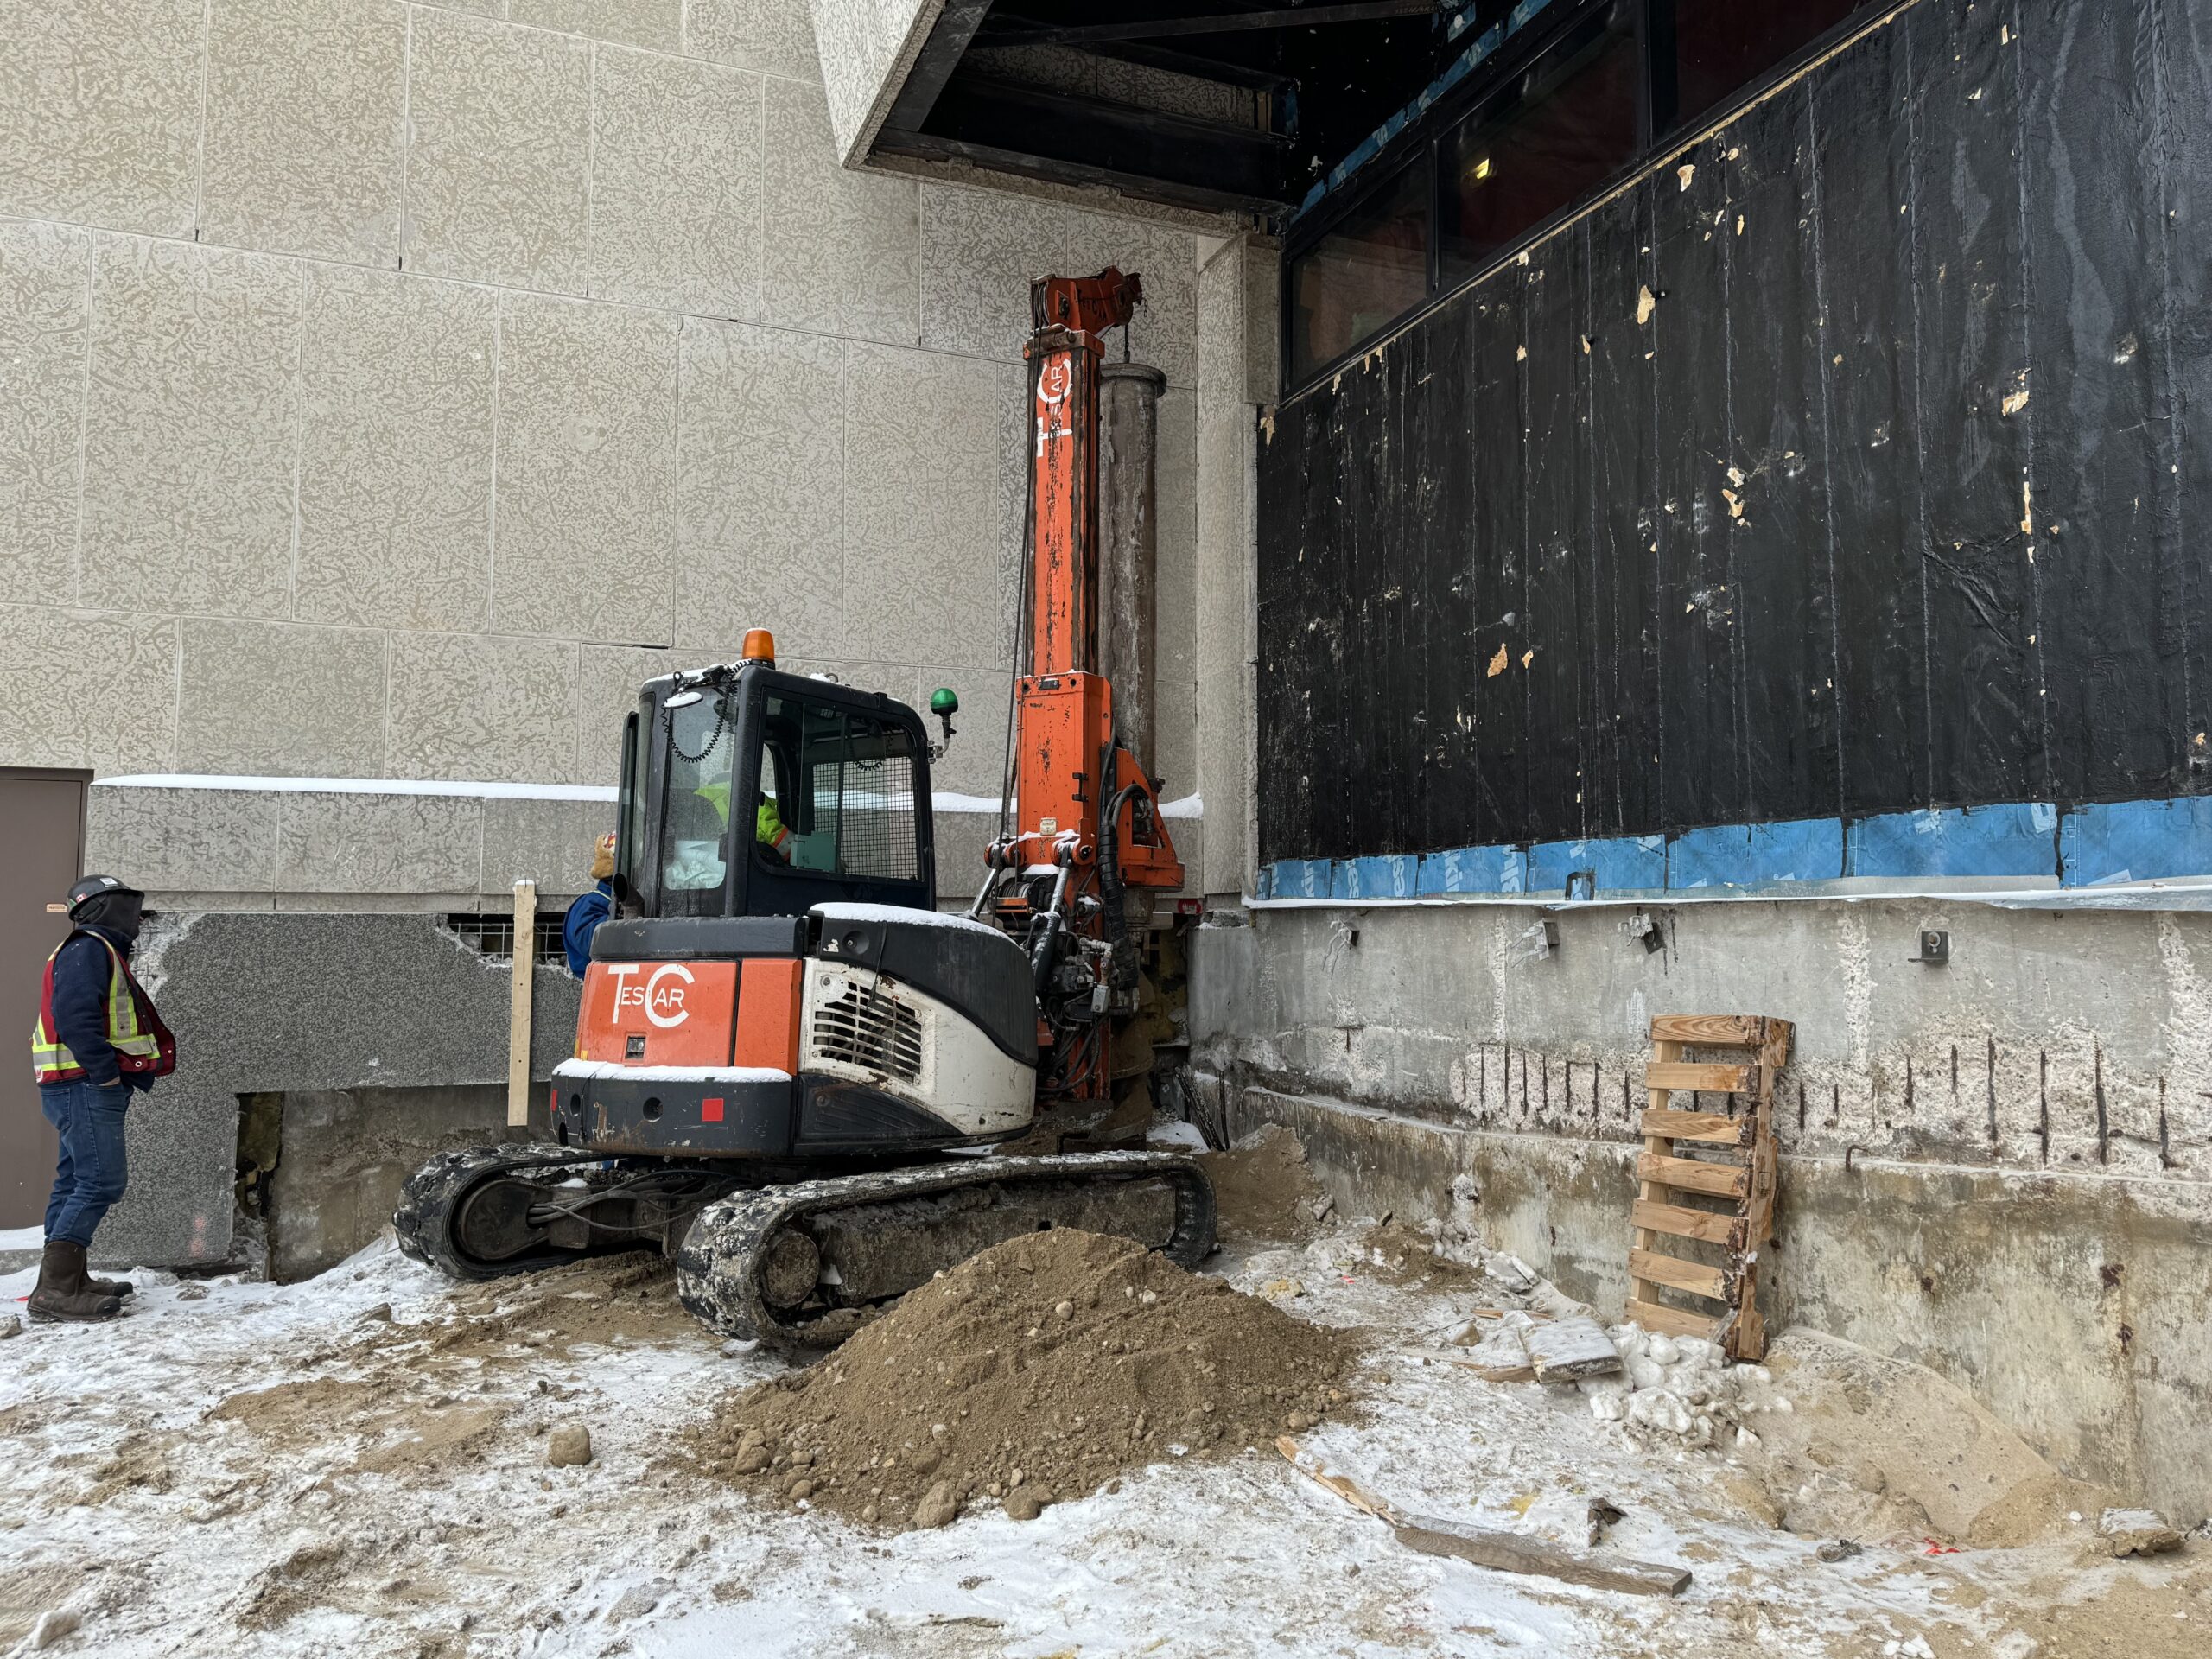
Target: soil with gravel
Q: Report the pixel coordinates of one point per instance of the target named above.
(1263, 1189)
(1034, 1373)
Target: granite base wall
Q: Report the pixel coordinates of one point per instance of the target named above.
(265, 1003)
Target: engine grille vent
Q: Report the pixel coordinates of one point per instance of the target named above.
(865, 1027)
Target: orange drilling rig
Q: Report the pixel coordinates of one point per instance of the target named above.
(792, 1071)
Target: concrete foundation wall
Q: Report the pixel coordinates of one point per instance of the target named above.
(2054, 1265)
(343, 1156)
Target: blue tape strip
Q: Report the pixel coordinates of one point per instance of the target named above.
(1628, 863)
(1375, 878)
(2017, 838)
(1752, 855)
(2101, 844)
(1473, 869)
(2137, 841)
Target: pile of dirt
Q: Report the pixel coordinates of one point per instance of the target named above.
(1263, 1188)
(1401, 1254)
(1032, 1373)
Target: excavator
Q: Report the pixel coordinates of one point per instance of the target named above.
(793, 1072)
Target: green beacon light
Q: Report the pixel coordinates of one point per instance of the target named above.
(944, 703)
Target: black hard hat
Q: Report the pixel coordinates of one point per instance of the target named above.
(97, 886)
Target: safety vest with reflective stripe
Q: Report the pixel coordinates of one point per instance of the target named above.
(142, 1044)
(768, 826)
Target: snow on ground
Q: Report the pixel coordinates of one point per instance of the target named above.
(358, 1465)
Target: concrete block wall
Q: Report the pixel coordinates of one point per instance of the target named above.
(404, 383)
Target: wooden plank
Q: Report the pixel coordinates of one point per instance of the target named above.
(1664, 1052)
(1672, 1321)
(1693, 1276)
(1711, 1030)
(1712, 1079)
(1775, 1051)
(1509, 1552)
(1713, 1227)
(1696, 1126)
(519, 1004)
(1499, 1373)
(1694, 1174)
(1503, 1552)
(1342, 1485)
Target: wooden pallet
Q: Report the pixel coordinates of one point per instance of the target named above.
(1744, 1053)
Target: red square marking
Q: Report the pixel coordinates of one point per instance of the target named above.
(711, 1109)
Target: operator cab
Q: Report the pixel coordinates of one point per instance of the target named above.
(749, 792)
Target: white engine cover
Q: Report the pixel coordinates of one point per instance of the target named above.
(866, 1027)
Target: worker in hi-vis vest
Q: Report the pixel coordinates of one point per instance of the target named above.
(98, 1043)
(767, 824)
(768, 829)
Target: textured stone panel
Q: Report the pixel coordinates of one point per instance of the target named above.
(549, 842)
(1221, 600)
(586, 471)
(676, 185)
(496, 168)
(759, 491)
(479, 706)
(378, 843)
(775, 36)
(655, 23)
(923, 461)
(100, 112)
(864, 45)
(611, 678)
(43, 328)
(92, 688)
(304, 105)
(974, 762)
(396, 451)
(1224, 778)
(184, 840)
(841, 251)
(267, 700)
(1175, 606)
(980, 249)
(190, 435)
(1262, 320)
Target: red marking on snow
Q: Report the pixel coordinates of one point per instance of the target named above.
(1935, 1548)
(711, 1109)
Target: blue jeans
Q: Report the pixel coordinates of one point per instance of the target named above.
(92, 1173)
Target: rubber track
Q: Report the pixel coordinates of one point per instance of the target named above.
(718, 1268)
(432, 1194)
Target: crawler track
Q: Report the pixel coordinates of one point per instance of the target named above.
(722, 1266)
(431, 1203)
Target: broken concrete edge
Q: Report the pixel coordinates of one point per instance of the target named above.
(1939, 1264)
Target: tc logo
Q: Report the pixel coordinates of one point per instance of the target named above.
(659, 997)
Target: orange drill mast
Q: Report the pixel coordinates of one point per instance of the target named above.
(1087, 825)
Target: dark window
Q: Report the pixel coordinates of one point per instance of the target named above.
(1722, 46)
(701, 731)
(1367, 270)
(836, 794)
(1571, 126)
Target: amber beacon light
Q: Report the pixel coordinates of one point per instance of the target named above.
(760, 647)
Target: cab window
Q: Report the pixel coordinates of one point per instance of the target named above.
(836, 794)
(695, 847)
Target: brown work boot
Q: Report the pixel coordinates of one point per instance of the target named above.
(62, 1292)
(117, 1288)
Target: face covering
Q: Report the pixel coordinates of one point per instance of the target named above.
(118, 912)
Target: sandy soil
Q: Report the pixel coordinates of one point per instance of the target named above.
(359, 1465)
